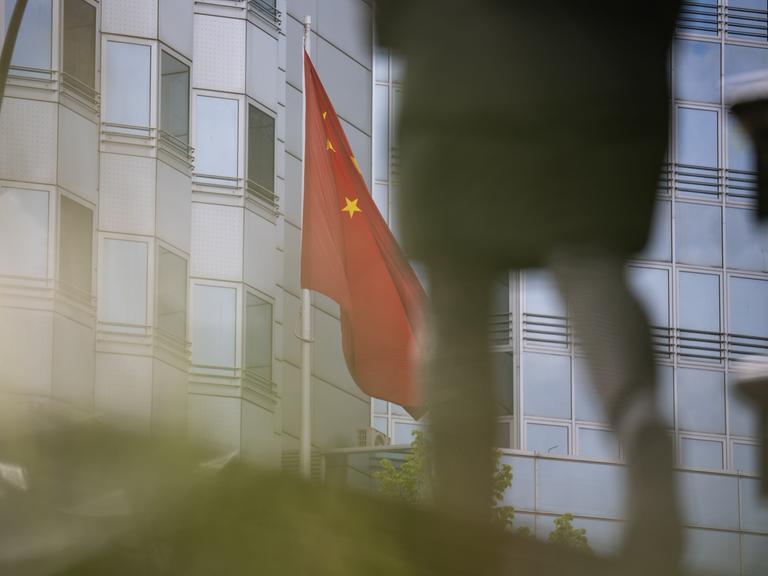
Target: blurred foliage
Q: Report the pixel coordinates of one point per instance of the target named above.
(564, 533)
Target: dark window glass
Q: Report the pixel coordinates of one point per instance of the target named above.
(174, 94)
(79, 43)
(172, 293)
(261, 152)
(258, 337)
(75, 245)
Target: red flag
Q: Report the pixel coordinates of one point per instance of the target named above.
(350, 255)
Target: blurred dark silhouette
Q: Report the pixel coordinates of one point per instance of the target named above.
(533, 134)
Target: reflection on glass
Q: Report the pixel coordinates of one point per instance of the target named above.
(23, 232)
(701, 400)
(213, 326)
(261, 150)
(741, 155)
(651, 287)
(746, 458)
(216, 136)
(123, 290)
(174, 97)
(79, 43)
(594, 443)
(746, 240)
(547, 439)
(698, 234)
(748, 306)
(33, 43)
(172, 293)
(697, 71)
(547, 385)
(696, 453)
(589, 406)
(258, 337)
(75, 245)
(542, 295)
(381, 132)
(699, 301)
(659, 246)
(743, 60)
(696, 137)
(743, 415)
(128, 84)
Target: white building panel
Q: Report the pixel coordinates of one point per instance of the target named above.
(73, 363)
(123, 390)
(78, 155)
(123, 281)
(24, 232)
(291, 327)
(26, 344)
(127, 198)
(290, 400)
(261, 67)
(217, 242)
(169, 398)
(260, 253)
(28, 141)
(219, 54)
(292, 259)
(347, 24)
(175, 27)
(292, 119)
(134, 18)
(174, 205)
(300, 8)
(215, 421)
(294, 50)
(259, 444)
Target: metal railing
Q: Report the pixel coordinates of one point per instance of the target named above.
(266, 10)
(714, 19)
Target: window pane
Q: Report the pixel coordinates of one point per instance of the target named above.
(699, 301)
(741, 155)
(547, 385)
(172, 294)
(598, 444)
(542, 295)
(33, 43)
(174, 94)
(380, 424)
(258, 337)
(698, 237)
(746, 458)
(403, 433)
(547, 439)
(651, 286)
(697, 71)
(701, 454)
(75, 245)
(581, 487)
(213, 326)
(216, 140)
(379, 406)
(261, 150)
(748, 299)
(743, 413)
(381, 132)
(381, 198)
(659, 246)
(123, 289)
(24, 232)
(128, 88)
(504, 372)
(589, 406)
(743, 60)
(701, 400)
(746, 240)
(79, 44)
(697, 137)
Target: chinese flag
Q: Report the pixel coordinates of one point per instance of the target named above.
(350, 255)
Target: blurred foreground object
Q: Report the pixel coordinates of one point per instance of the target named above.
(532, 135)
(754, 386)
(85, 500)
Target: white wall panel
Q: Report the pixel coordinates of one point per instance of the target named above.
(261, 60)
(28, 140)
(127, 198)
(73, 362)
(175, 28)
(24, 232)
(25, 350)
(219, 54)
(174, 206)
(215, 421)
(123, 388)
(260, 253)
(169, 399)
(336, 416)
(347, 24)
(300, 8)
(259, 444)
(291, 327)
(348, 84)
(214, 326)
(134, 18)
(78, 155)
(217, 242)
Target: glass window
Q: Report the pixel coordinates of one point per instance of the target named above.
(697, 71)
(380, 424)
(547, 385)
(698, 236)
(547, 439)
(696, 453)
(123, 290)
(128, 84)
(699, 301)
(748, 306)
(701, 400)
(79, 43)
(261, 151)
(174, 95)
(381, 132)
(709, 499)
(33, 43)
(659, 246)
(75, 245)
(23, 232)
(697, 137)
(213, 326)
(746, 458)
(258, 337)
(581, 487)
(216, 140)
(743, 60)
(403, 433)
(589, 406)
(746, 240)
(379, 406)
(504, 372)
(741, 154)
(594, 443)
(743, 414)
(542, 295)
(172, 293)
(651, 286)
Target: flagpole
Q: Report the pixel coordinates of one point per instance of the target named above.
(305, 434)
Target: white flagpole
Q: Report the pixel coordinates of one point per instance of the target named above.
(305, 434)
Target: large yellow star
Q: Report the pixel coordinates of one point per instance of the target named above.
(351, 206)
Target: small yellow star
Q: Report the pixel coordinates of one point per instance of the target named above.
(324, 115)
(351, 206)
(329, 146)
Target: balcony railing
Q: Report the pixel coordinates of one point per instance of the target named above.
(266, 10)
(546, 329)
(712, 19)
